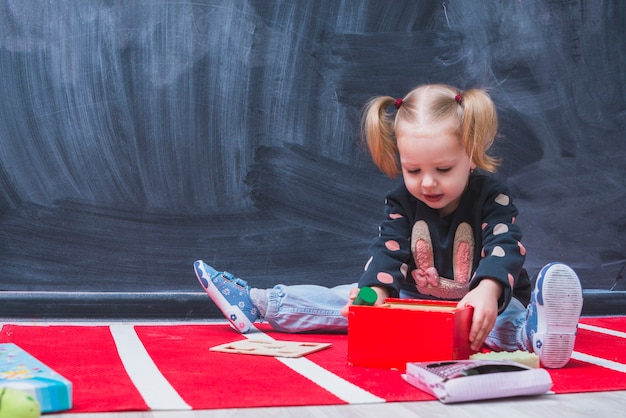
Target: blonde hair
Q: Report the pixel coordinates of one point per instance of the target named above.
(471, 113)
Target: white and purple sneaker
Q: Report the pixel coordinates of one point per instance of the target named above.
(553, 314)
(230, 294)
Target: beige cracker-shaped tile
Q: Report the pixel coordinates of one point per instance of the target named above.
(271, 348)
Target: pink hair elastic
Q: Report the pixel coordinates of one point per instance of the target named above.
(398, 103)
(459, 98)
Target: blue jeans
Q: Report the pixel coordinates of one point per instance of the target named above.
(312, 308)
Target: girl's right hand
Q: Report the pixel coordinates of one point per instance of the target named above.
(382, 293)
(353, 292)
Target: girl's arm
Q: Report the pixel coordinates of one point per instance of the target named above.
(500, 265)
(390, 252)
(503, 254)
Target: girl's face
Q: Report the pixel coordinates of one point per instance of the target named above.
(434, 164)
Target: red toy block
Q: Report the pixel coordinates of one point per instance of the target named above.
(407, 330)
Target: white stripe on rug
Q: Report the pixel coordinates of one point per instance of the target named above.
(151, 384)
(613, 365)
(344, 390)
(606, 331)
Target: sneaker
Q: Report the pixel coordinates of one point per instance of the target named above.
(553, 314)
(230, 294)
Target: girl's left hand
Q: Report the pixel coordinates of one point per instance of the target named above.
(484, 299)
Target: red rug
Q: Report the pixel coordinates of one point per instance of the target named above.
(143, 367)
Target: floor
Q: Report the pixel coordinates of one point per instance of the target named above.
(603, 404)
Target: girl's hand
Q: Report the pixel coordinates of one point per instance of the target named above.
(380, 291)
(484, 299)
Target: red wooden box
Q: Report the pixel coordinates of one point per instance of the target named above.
(407, 330)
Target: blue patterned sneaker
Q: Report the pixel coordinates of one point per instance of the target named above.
(230, 294)
(553, 314)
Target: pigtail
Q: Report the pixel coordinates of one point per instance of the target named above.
(471, 114)
(479, 128)
(377, 129)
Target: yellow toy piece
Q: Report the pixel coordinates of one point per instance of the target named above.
(18, 404)
(524, 357)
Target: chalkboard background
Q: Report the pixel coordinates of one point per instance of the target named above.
(139, 136)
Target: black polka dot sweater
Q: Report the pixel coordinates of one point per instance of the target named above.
(443, 258)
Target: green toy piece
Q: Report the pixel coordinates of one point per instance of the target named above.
(17, 404)
(366, 296)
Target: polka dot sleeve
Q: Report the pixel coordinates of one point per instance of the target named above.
(502, 254)
(389, 253)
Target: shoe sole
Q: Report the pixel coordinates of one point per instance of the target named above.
(237, 319)
(560, 304)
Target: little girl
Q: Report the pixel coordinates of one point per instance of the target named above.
(449, 233)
